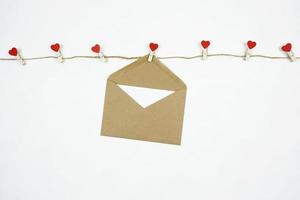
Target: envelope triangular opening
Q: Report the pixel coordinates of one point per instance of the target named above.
(142, 73)
(145, 96)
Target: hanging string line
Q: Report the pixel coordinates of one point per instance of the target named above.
(159, 57)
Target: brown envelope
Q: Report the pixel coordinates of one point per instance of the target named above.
(159, 122)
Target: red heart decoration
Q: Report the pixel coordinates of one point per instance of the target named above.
(55, 47)
(153, 46)
(205, 44)
(251, 44)
(13, 51)
(96, 48)
(287, 47)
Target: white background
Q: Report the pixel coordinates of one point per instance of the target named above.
(241, 130)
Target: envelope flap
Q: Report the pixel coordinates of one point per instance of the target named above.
(142, 73)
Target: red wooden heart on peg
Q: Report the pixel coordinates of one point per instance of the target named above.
(205, 43)
(251, 44)
(55, 47)
(13, 51)
(153, 46)
(287, 47)
(96, 48)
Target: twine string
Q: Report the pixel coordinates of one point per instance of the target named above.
(159, 57)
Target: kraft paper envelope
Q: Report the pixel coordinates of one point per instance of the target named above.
(159, 122)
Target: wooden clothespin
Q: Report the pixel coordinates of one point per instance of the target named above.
(15, 52)
(250, 46)
(288, 50)
(96, 49)
(153, 47)
(205, 44)
(56, 48)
